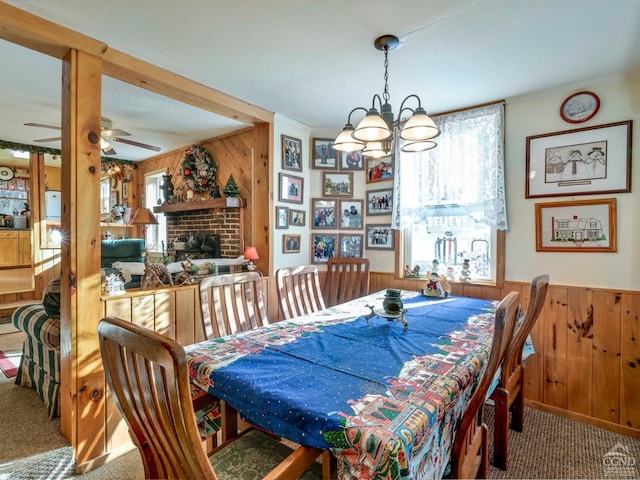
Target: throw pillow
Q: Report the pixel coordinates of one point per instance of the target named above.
(51, 298)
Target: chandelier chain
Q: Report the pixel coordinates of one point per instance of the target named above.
(385, 94)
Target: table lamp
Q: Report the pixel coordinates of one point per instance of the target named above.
(144, 216)
(251, 254)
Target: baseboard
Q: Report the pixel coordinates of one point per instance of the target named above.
(596, 422)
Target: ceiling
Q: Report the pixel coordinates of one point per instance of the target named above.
(313, 61)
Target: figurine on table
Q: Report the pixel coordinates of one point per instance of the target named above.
(437, 286)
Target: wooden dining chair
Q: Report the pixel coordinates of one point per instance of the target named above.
(347, 278)
(508, 396)
(149, 380)
(470, 453)
(299, 290)
(232, 303)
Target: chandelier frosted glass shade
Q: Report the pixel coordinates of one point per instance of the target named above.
(377, 149)
(345, 141)
(372, 128)
(419, 127)
(418, 146)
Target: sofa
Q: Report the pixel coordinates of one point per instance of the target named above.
(122, 250)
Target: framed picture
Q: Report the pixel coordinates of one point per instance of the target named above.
(337, 184)
(125, 190)
(282, 217)
(297, 218)
(323, 247)
(577, 226)
(351, 214)
(379, 169)
(580, 107)
(351, 245)
(351, 161)
(323, 212)
(380, 237)
(291, 243)
(291, 153)
(291, 188)
(584, 161)
(323, 155)
(380, 202)
(113, 199)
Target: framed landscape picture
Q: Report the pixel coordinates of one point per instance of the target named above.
(380, 237)
(351, 214)
(323, 155)
(291, 188)
(297, 218)
(323, 247)
(323, 213)
(351, 245)
(291, 153)
(380, 169)
(380, 202)
(337, 184)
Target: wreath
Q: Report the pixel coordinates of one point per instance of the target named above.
(198, 169)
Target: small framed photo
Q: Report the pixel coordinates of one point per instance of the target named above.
(577, 226)
(297, 218)
(337, 184)
(291, 188)
(380, 202)
(125, 190)
(323, 247)
(113, 199)
(291, 153)
(323, 155)
(291, 243)
(351, 214)
(380, 169)
(351, 161)
(380, 237)
(282, 217)
(351, 245)
(323, 212)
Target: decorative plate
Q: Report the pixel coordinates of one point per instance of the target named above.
(580, 107)
(6, 173)
(382, 313)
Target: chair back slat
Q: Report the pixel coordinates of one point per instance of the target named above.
(299, 290)
(232, 303)
(347, 278)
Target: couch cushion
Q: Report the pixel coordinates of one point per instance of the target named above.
(51, 298)
(122, 250)
(34, 321)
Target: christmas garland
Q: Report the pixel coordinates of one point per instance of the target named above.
(198, 169)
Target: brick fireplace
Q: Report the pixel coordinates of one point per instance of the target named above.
(223, 222)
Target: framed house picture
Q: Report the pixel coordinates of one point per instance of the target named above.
(323, 213)
(380, 237)
(380, 202)
(351, 161)
(351, 245)
(291, 188)
(380, 169)
(297, 218)
(282, 217)
(323, 155)
(291, 153)
(577, 226)
(584, 161)
(291, 243)
(323, 247)
(337, 184)
(351, 214)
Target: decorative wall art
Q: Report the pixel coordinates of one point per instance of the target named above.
(291, 153)
(323, 213)
(351, 161)
(580, 107)
(291, 188)
(351, 214)
(577, 226)
(291, 243)
(584, 161)
(380, 202)
(337, 184)
(380, 169)
(323, 247)
(297, 218)
(323, 155)
(282, 217)
(351, 245)
(380, 237)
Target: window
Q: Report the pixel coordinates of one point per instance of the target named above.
(451, 201)
(154, 235)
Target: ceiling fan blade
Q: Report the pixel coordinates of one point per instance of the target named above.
(109, 151)
(45, 140)
(115, 132)
(136, 144)
(42, 125)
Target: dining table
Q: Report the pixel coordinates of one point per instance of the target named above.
(383, 392)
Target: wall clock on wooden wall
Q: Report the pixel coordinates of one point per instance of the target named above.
(580, 107)
(6, 173)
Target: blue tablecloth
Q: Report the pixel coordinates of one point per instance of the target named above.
(385, 401)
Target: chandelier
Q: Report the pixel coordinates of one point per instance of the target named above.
(374, 134)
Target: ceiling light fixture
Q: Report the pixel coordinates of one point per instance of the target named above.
(374, 134)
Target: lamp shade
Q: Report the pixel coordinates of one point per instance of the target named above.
(250, 253)
(419, 127)
(372, 128)
(345, 141)
(144, 216)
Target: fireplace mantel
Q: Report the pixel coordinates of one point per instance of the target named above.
(225, 202)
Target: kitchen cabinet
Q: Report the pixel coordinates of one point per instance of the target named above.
(15, 248)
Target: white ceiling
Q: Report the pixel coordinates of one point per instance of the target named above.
(313, 61)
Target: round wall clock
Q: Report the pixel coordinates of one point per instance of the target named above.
(580, 107)
(6, 173)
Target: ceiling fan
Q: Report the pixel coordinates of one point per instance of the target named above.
(108, 135)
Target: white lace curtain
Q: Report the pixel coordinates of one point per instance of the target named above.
(464, 173)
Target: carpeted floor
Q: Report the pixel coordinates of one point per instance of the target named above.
(11, 341)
